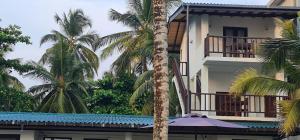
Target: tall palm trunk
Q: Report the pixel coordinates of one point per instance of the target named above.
(160, 64)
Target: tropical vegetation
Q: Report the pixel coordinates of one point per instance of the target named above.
(136, 48)
(71, 63)
(280, 55)
(12, 95)
(111, 94)
(64, 84)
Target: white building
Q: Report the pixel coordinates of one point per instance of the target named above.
(216, 42)
(219, 42)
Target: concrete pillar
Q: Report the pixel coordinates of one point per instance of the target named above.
(204, 31)
(204, 79)
(128, 136)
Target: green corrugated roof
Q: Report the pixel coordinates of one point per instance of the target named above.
(258, 124)
(98, 119)
(92, 119)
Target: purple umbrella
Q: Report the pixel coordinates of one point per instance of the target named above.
(197, 121)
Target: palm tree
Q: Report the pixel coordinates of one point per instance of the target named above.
(135, 45)
(80, 42)
(279, 55)
(160, 65)
(136, 52)
(64, 84)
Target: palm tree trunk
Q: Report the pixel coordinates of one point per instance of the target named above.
(160, 64)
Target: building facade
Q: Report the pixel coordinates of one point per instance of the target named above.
(216, 42)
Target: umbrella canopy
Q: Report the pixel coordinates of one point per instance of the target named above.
(196, 120)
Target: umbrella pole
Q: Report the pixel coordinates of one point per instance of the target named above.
(196, 137)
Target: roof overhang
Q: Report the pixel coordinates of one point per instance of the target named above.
(234, 10)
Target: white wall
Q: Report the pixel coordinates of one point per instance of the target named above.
(257, 26)
(76, 135)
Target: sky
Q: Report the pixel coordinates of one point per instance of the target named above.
(36, 18)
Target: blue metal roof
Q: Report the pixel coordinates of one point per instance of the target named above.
(98, 119)
(16, 117)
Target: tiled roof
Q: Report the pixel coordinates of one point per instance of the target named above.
(15, 118)
(257, 124)
(87, 119)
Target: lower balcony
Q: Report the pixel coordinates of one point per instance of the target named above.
(224, 104)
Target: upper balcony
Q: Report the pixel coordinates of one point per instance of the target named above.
(232, 46)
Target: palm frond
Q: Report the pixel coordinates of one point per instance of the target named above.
(290, 111)
(41, 73)
(142, 78)
(142, 90)
(127, 19)
(47, 38)
(114, 37)
(250, 81)
(117, 45)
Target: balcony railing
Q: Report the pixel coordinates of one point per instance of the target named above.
(224, 104)
(230, 46)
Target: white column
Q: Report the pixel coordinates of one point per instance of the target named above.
(204, 31)
(128, 136)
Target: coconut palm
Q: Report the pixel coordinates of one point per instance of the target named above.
(64, 84)
(80, 42)
(135, 45)
(279, 55)
(160, 65)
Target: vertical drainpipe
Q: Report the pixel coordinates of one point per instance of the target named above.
(188, 59)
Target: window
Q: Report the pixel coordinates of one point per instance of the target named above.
(9, 137)
(56, 138)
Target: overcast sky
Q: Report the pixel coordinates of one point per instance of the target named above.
(35, 17)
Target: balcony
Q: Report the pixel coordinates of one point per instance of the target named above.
(230, 46)
(224, 104)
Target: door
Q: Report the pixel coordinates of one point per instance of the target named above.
(270, 106)
(235, 42)
(228, 105)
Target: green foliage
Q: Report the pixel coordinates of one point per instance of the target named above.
(10, 36)
(64, 85)
(135, 45)
(75, 32)
(111, 94)
(12, 100)
(280, 55)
